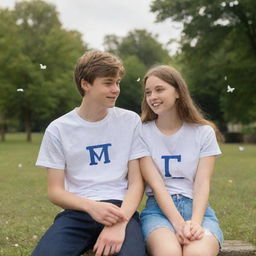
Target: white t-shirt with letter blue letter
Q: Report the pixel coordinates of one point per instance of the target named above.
(177, 156)
(93, 155)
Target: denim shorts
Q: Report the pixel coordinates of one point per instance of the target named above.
(152, 217)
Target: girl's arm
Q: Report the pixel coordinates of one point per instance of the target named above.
(201, 195)
(152, 177)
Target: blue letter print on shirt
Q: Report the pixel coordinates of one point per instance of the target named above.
(166, 165)
(94, 155)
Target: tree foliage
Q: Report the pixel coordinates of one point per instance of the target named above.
(140, 43)
(139, 50)
(131, 85)
(218, 48)
(33, 36)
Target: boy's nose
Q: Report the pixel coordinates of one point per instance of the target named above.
(115, 89)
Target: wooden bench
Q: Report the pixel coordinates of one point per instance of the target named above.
(230, 248)
(237, 248)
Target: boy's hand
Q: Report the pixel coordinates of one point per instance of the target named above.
(193, 231)
(106, 213)
(110, 240)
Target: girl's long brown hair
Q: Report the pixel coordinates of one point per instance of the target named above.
(186, 108)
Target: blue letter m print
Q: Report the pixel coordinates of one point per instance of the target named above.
(94, 156)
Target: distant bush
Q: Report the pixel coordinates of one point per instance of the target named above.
(233, 137)
(250, 138)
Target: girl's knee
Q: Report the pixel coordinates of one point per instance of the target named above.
(166, 251)
(194, 252)
(199, 251)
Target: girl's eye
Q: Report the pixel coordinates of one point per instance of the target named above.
(147, 93)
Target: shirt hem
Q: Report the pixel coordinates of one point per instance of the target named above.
(49, 165)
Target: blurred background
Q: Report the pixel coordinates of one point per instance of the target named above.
(212, 44)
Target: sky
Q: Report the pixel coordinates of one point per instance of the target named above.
(97, 18)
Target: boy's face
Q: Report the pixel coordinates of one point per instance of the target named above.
(104, 91)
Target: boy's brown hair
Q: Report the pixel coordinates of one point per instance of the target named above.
(95, 64)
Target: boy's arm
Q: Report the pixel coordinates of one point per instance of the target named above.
(111, 238)
(105, 213)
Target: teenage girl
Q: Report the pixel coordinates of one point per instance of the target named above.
(177, 219)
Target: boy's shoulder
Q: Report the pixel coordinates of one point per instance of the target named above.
(65, 119)
(125, 114)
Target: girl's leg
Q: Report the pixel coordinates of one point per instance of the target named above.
(163, 242)
(207, 246)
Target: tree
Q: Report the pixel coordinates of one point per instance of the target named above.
(44, 70)
(209, 53)
(11, 59)
(131, 86)
(139, 50)
(139, 43)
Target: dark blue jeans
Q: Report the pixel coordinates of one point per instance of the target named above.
(75, 232)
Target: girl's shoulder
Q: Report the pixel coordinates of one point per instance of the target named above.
(199, 127)
(199, 131)
(148, 124)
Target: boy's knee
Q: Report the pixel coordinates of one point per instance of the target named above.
(138, 250)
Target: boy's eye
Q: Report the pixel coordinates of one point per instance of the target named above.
(147, 92)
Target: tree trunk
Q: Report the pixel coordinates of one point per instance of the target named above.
(28, 127)
(2, 127)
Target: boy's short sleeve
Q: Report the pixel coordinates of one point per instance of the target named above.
(209, 144)
(51, 154)
(138, 148)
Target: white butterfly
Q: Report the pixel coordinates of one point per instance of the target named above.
(20, 90)
(138, 79)
(241, 148)
(42, 66)
(230, 89)
(19, 22)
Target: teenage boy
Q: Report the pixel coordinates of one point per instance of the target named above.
(91, 154)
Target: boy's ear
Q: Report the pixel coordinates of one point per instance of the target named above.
(84, 85)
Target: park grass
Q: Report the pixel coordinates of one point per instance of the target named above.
(25, 212)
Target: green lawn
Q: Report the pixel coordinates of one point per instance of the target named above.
(25, 212)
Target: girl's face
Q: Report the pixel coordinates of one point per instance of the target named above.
(160, 96)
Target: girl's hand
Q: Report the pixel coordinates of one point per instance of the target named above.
(179, 234)
(193, 231)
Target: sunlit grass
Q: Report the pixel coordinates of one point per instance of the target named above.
(25, 211)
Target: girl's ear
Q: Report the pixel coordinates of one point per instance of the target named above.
(177, 95)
